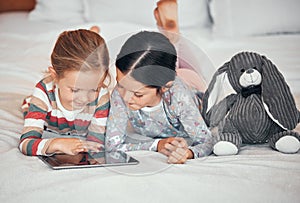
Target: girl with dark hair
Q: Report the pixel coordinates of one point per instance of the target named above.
(152, 102)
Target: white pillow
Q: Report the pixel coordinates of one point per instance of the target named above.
(60, 11)
(255, 17)
(191, 12)
(135, 11)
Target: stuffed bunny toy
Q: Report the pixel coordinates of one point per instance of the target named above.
(249, 102)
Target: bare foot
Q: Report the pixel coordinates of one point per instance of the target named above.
(166, 16)
(95, 29)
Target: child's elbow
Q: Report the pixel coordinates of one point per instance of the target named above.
(23, 150)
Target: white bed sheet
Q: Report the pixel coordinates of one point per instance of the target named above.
(256, 174)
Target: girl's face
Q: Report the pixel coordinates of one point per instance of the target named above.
(77, 89)
(135, 94)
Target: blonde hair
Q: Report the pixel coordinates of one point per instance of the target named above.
(80, 50)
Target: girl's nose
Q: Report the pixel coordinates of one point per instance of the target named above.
(86, 97)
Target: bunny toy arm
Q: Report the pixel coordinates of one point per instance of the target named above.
(219, 111)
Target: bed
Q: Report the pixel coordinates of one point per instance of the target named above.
(219, 29)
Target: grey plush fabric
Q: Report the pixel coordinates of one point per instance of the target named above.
(261, 107)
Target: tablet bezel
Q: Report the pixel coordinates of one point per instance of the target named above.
(129, 160)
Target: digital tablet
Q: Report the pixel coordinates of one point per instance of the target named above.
(88, 160)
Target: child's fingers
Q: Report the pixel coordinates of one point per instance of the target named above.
(180, 153)
(162, 143)
(175, 144)
(85, 146)
(78, 150)
(92, 146)
(178, 156)
(174, 160)
(170, 147)
(165, 152)
(73, 146)
(179, 142)
(182, 142)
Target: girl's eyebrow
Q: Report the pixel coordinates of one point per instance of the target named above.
(133, 91)
(76, 88)
(71, 87)
(140, 93)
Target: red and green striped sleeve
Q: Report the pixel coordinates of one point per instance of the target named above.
(31, 142)
(97, 127)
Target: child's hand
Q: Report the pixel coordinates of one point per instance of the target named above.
(72, 146)
(162, 143)
(176, 149)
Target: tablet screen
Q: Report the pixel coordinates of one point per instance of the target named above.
(88, 160)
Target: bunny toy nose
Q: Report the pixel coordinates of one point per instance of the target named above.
(250, 71)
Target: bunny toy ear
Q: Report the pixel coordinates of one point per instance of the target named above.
(218, 88)
(277, 97)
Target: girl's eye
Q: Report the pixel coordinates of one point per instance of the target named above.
(75, 90)
(138, 95)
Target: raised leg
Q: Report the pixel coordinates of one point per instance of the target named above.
(166, 16)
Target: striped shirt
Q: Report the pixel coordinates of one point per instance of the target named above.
(44, 111)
